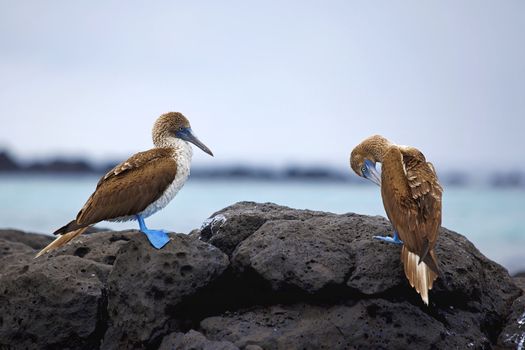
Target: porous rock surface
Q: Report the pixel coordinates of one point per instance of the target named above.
(193, 340)
(255, 276)
(513, 334)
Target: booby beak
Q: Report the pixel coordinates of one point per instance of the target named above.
(372, 173)
(187, 134)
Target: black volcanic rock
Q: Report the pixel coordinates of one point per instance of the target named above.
(147, 285)
(316, 253)
(97, 246)
(52, 304)
(365, 324)
(193, 341)
(322, 256)
(17, 247)
(9, 248)
(243, 219)
(513, 333)
(256, 276)
(33, 240)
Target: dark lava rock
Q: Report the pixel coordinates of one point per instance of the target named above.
(338, 252)
(513, 334)
(147, 285)
(255, 276)
(17, 247)
(312, 256)
(9, 248)
(98, 246)
(193, 341)
(319, 252)
(228, 227)
(54, 304)
(11, 261)
(33, 240)
(520, 282)
(366, 324)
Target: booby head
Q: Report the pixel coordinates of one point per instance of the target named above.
(367, 169)
(364, 157)
(175, 125)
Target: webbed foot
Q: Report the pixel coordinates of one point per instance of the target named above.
(157, 238)
(388, 239)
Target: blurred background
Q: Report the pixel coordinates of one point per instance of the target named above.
(281, 92)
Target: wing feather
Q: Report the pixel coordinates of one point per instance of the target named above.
(412, 201)
(130, 187)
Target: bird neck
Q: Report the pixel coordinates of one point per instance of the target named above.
(182, 148)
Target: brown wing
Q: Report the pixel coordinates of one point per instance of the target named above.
(426, 192)
(130, 187)
(137, 160)
(412, 198)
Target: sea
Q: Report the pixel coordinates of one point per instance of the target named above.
(492, 218)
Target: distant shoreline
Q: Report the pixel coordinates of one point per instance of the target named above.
(79, 166)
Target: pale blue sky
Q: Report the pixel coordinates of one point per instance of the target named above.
(268, 81)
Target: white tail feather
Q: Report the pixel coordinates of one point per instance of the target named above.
(420, 276)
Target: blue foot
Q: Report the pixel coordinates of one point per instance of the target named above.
(388, 239)
(157, 238)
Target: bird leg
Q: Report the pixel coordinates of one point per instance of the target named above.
(388, 239)
(157, 238)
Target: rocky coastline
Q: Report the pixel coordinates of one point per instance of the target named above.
(255, 276)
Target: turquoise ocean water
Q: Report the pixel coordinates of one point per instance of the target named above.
(493, 219)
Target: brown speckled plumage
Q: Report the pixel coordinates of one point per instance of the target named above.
(411, 196)
(132, 185)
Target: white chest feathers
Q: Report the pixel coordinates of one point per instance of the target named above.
(182, 155)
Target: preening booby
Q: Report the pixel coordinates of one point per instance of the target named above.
(141, 185)
(412, 199)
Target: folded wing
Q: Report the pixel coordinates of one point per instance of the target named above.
(412, 199)
(128, 188)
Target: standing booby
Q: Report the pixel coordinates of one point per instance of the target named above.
(141, 185)
(412, 199)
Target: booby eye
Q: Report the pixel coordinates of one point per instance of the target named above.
(364, 169)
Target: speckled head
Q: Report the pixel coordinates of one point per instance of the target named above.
(174, 125)
(364, 157)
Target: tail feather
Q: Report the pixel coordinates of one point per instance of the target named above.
(71, 226)
(432, 262)
(420, 274)
(62, 240)
(429, 257)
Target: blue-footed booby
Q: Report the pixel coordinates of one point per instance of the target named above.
(140, 186)
(412, 199)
